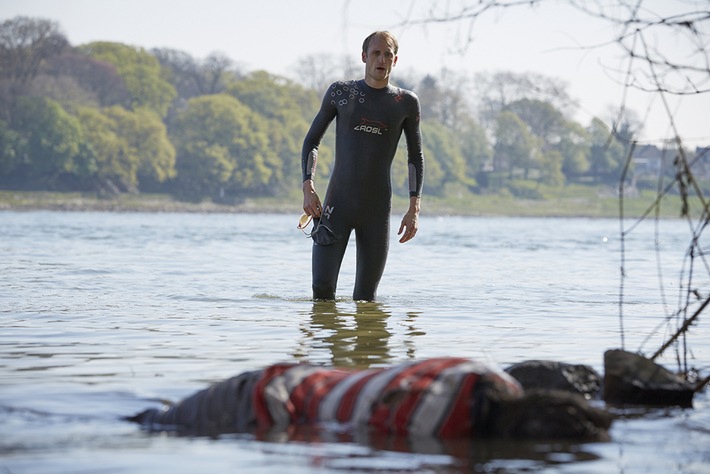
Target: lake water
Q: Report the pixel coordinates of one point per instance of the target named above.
(106, 314)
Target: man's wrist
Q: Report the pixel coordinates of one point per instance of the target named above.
(415, 204)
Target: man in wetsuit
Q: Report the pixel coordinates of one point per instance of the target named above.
(371, 116)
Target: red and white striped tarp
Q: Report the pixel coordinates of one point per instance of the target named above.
(431, 397)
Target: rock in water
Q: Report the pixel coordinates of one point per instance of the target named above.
(550, 375)
(631, 379)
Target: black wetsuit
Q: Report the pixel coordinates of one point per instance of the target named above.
(369, 125)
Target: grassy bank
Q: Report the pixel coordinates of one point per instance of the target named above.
(582, 201)
(564, 202)
(36, 200)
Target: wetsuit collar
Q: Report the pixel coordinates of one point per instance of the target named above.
(364, 83)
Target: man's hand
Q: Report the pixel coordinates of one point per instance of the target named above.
(410, 222)
(311, 201)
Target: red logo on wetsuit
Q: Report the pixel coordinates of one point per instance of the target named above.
(371, 126)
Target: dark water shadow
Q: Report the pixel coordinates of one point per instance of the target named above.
(355, 334)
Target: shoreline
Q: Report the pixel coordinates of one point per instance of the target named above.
(471, 206)
(77, 202)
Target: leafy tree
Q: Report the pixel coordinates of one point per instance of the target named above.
(217, 71)
(51, 142)
(443, 148)
(574, 147)
(475, 147)
(223, 146)
(514, 147)
(542, 119)
(551, 168)
(429, 97)
(274, 97)
(25, 44)
(9, 146)
(63, 89)
(141, 74)
(288, 109)
(606, 154)
(191, 77)
(116, 164)
(99, 79)
(148, 142)
(204, 169)
(498, 91)
(443, 98)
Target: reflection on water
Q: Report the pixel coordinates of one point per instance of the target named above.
(354, 334)
(400, 454)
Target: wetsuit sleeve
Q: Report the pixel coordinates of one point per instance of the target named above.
(309, 153)
(415, 155)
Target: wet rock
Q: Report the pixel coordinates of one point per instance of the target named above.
(550, 375)
(630, 379)
(551, 414)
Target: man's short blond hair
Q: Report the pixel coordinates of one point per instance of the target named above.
(385, 35)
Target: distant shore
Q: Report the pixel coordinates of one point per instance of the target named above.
(81, 202)
(591, 206)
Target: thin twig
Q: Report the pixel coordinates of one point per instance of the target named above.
(682, 329)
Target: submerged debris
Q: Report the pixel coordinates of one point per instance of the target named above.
(631, 379)
(552, 375)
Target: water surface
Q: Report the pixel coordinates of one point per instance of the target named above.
(106, 314)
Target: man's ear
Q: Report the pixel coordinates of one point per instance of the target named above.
(364, 57)
(394, 63)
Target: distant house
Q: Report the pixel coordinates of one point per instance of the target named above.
(701, 166)
(647, 160)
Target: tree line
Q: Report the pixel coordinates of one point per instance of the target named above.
(112, 118)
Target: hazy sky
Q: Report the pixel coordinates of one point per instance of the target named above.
(273, 34)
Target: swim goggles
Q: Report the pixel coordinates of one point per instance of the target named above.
(303, 222)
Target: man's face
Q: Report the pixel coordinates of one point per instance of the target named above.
(379, 61)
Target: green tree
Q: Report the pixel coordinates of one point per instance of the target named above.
(442, 147)
(475, 148)
(141, 73)
(9, 146)
(575, 149)
(204, 169)
(288, 109)
(551, 168)
(515, 146)
(223, 146)
(51, 145)
(148, 143)
(542, 119)
(116, 164)
(606, 154)
(497, 91)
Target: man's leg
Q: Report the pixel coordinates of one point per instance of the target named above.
(372, 248)
(326, 263)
